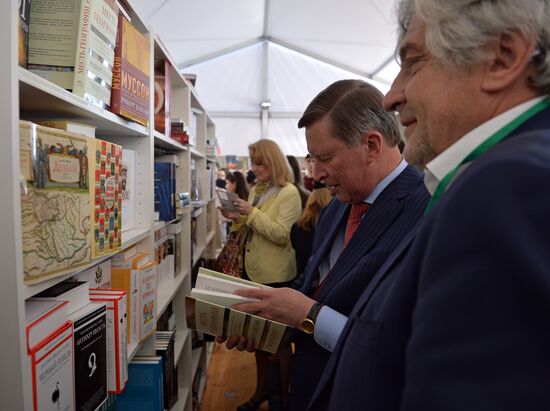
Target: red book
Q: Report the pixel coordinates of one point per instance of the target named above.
(130, 90)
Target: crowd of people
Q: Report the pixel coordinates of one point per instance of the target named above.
(427, 282)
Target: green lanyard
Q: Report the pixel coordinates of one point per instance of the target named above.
(486, 145)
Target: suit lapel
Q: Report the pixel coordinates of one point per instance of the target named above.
(325, 232)
(378, 219)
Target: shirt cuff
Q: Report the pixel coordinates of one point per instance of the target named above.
(328, 327)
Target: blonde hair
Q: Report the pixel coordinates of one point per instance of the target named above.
(267, 152)
(317, 200)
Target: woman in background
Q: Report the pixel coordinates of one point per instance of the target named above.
(237, 184)
(301, 235)
(272, 208)
(295, 167)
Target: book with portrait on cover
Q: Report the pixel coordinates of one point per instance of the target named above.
(209, 311)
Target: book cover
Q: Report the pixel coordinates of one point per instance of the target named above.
(55, 201)
(106, 203)
(24, 14)
(148, 299)
(53, 30)
(128, 186)
(117, 356)
(124, 255)
(128, 280)
(165, 188)
(90, 356)
(131, 73)
(52, 372)
(145, 386)
(164, 345)
(74, 292)
(208, 311)
(99, 276)
(95, 51)
(43, 319)
(163, 85)
(70, 126)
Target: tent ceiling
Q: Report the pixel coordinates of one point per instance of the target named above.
(285, 51)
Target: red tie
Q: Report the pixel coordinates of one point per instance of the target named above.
(354, 219)
(355, 216)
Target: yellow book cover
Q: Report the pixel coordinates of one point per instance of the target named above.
(105, 193)
(148, 299)
(127, 279)
(131, 73)
(55, 201)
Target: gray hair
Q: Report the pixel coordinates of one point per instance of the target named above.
(457, 30)
(354, 107)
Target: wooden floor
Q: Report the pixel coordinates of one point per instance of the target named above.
(231, 380)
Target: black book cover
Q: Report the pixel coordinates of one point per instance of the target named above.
(90, 358)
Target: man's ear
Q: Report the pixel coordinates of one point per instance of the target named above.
(511, 57)
(372, 141)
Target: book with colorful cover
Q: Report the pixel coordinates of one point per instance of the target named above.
(55, 201)
(106, 204)
(148, 299)
(95, 52)
(131, 73)
(53, 31)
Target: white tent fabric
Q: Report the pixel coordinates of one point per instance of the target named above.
(246, 52)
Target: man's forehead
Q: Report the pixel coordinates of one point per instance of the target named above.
(414, 40)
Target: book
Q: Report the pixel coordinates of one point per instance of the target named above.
(74, 292)
(24, 14)
(123, 256)
(53, 30)
(43, 319)
(99, 276)
(148, 300)
(164, 346)
(70, 126)
(55, 202)
(163, 72)
(131, 73)
(52, 371)
(144, 390)
(128, 187)
(165, 191)
(106, 199)
(208, 311)
(117, 356)
(128, 280)
(95, 51)
(90, 356)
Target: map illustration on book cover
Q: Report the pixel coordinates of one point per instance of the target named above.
(107, 199)
(55, 201)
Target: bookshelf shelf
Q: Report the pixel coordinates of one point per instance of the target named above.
(183, 393)
(196, 356)
(167, 143)
(181, 339)
(167, 291)
(198, 253)
(210, 236)
(27, 96)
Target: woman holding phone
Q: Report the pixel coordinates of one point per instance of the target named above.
(272, 208)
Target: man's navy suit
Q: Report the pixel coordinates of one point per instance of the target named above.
(458, 317)
(395, 211)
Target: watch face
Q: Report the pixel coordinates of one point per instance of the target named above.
(308, 326)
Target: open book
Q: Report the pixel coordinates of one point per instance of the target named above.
(209, 311)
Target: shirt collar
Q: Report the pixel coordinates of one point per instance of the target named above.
(440, 166)
(385, 182)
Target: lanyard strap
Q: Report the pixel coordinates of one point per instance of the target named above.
(486, 145)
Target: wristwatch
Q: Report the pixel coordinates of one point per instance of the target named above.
(308, 323)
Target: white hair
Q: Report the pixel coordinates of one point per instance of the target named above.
(457, 30)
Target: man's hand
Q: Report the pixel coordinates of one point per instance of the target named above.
(241, 342)
(284, 305)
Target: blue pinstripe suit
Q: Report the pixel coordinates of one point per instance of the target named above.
(396, 210)
(457, 318)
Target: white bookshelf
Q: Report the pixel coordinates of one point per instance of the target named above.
(24, 95)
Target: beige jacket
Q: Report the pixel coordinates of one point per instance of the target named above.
(269, 256)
